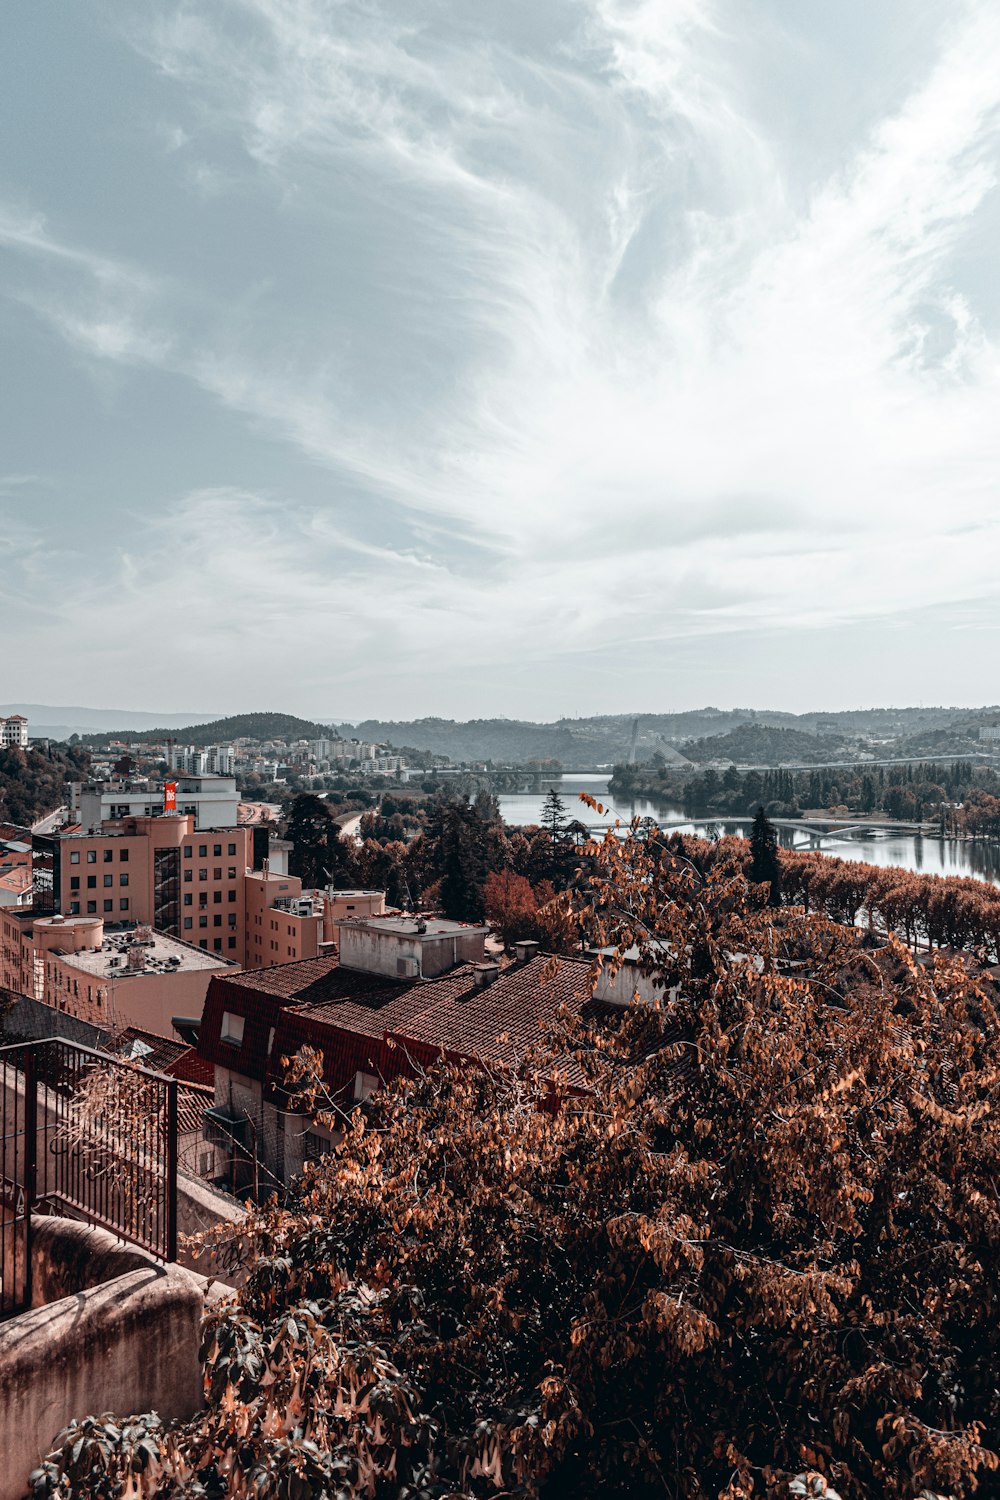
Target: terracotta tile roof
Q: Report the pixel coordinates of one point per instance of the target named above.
(190, 1068)
(192, 1102)
(370, 1024)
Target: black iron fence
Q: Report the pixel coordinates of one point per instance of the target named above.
(89, 1136)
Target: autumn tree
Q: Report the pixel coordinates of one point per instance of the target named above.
(511, 906)
(739, 1238)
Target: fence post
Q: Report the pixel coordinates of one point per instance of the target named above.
(30, 1162)
(171, 1254)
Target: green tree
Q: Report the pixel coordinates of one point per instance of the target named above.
(765, 867)
(319, 855)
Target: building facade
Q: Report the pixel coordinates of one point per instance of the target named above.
(212, 801)
(14, 732)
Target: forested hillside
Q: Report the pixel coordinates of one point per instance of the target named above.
(257, 726)
(32, 782)
(765, 745)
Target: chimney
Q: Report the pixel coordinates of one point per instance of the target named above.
(484, 974)
(525, 951)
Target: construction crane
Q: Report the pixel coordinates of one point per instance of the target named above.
(635, 736)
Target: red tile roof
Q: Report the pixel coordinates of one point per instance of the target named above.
(367, 1023)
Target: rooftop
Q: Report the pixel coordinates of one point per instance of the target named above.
(412, 926)
(160, 954)
(455, 1012)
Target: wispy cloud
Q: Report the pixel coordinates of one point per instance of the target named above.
(553, 312)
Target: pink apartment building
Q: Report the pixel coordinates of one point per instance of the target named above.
(199, 885)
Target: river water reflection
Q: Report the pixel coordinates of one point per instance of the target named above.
(928, 856)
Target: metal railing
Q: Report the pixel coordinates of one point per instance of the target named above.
(89, 1136)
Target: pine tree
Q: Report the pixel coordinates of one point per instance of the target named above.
(764, 866)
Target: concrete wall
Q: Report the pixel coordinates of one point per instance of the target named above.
(122, 1337)
(381, 950)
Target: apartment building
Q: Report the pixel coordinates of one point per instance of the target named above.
(13, 732)
(113, 979)
(211, 760)
(212, 888)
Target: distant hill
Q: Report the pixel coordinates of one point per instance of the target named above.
(258, 726)
(765, 745)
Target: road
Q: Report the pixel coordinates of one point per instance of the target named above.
(349, 828)
(48, 823)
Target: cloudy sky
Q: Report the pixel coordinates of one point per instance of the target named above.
(526, 357)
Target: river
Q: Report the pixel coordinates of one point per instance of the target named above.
(907, 851)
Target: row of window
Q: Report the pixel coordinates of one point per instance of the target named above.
(74, 881)
(107, 856)
(203, 922)
(216, 873)
(74, 907)
(203, 850)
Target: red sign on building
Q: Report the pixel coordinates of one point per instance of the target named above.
(169, 796)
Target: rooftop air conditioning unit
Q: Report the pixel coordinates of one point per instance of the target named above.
(407, 968)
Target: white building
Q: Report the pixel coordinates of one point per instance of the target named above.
(14, 731)
(212, 801)
(213, 760)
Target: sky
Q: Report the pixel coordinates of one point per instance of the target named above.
(529, 358)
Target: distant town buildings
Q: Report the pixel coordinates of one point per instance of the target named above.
(212, 760)
(989, 732)
(14, 732)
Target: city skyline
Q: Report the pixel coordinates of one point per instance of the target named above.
(362, 358)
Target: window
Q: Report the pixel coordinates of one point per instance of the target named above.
(91, 882)
(188, 851)
(217, 944)
(109, 906)
(74, 908)
(216, 921)
(232, 919)
(216, 873)
(92, 856)
(123, 903)
(216, 849)
(231, 872)
(230, 895)
(203, 873)
(188, 923)
(109, 855)
(187, 875)
(232, 943)
(232, 848)
(232, 1029)
(91, 907)
(203, 942)
(123, 856)
(74, 882)
(202, 851)
(202, 898)
(109, 880)
(188, 898)
(74, 856)
(217, 898)
(202, 921)
(364, 1085)
(123, 878)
